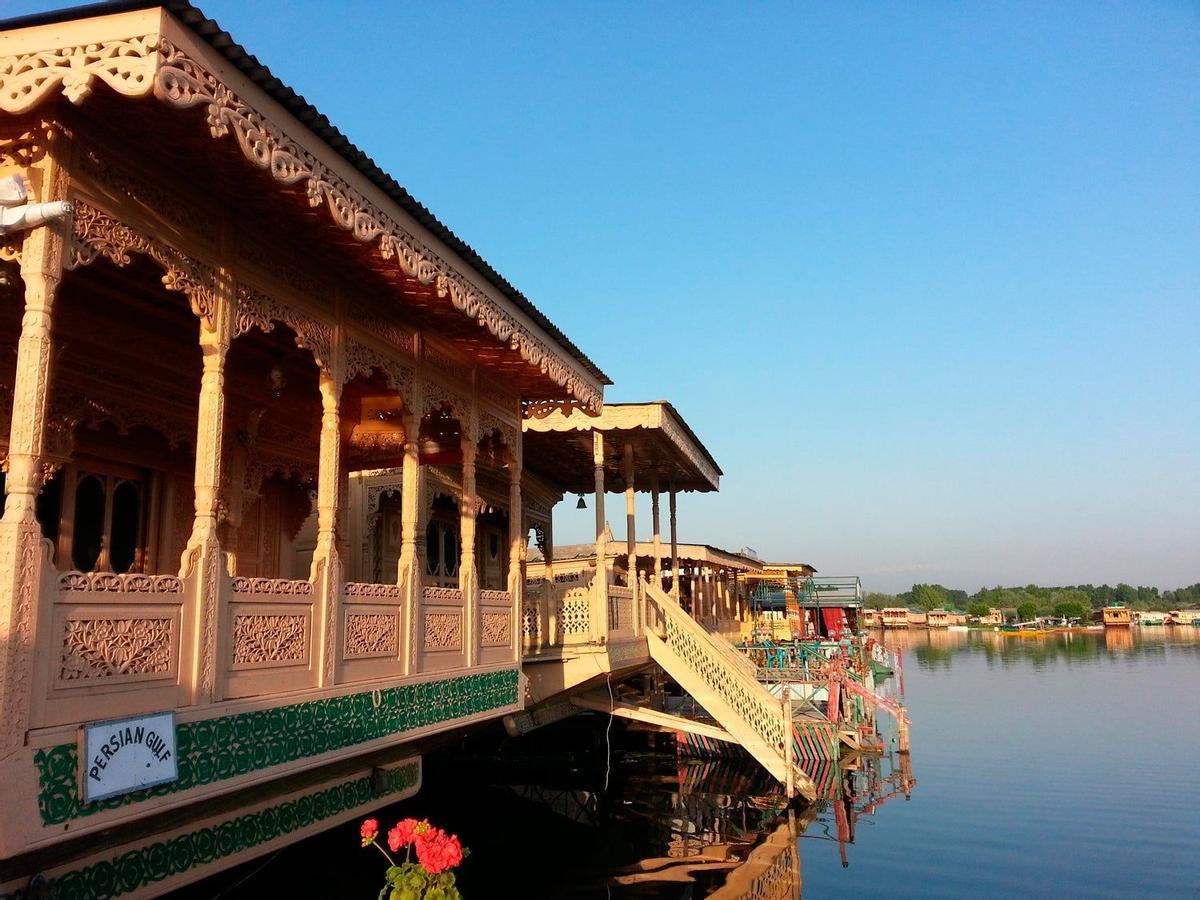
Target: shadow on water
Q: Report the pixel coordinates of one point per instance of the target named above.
(540, 822)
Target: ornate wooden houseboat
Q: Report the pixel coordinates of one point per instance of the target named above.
(225, 310)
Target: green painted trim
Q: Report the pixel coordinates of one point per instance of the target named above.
(214, 750)
(146, 865)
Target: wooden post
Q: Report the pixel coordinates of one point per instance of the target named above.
(22, 560)
(408, 570)
(467, 577)
(517, 541)
(549, 611)
(674, 547)
(631, 577)
(630, 510)
(600, 583)
(202, 557)
(657, 525)
(326, 565)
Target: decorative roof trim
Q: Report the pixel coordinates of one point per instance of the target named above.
(138, 65)
(658, 415)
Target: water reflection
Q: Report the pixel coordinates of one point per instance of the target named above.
(675, 828)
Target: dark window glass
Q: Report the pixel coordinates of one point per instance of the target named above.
(433, 548)
(450, 546)
(89, 523)
(126, 526)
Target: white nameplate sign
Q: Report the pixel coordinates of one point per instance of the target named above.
(123, 755)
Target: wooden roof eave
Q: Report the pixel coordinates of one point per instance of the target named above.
(662, 443)
(148, 51)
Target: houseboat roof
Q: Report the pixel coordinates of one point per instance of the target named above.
(526, 336)
(559, 445)
(802, 568)
(689, 553)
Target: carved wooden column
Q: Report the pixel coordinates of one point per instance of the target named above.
(549, 612)
(326, 572)
(23, 563)
(657, 525)
(631, 577)
(409, 568)
(517, 541)
(600, 583)
(202, 558)
(674, 547)
(468, 578)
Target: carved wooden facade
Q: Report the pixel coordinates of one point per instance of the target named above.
(200, 371)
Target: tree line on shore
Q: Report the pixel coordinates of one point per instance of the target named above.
(1072, 602)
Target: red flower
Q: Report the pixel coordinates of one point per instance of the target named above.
(369, 830)
(438, 851)
(407, 831)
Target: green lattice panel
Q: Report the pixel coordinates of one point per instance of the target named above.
(154, 862)
(213, 750)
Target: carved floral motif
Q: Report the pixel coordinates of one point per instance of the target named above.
(126, 66)
(443, 631)
(110, 582)
(371, 634)
(365, 591)
(495, 629)
(443, 595)
(182, 82)
(108, 648)
(275, 587)
(97, 234)
(269, 638)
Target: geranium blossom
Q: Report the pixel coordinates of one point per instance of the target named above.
(369, 830)
(438, 851)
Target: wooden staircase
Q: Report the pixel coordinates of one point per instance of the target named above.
(726, 684)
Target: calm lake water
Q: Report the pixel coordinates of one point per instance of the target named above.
(1059, 767)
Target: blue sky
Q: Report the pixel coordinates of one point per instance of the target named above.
(924, 277)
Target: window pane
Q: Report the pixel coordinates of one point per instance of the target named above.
(433, 549)
(450, 550)
(89, 523)
(126, 526)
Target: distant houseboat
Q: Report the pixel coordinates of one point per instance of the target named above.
(917, 618)
(872, 618)
(1117, 616)
(1149, 618)
(937, 618)
(895, 617)
(1183, 617)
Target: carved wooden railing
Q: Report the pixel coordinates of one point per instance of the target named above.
(621, 611)
(372, 625)
(115, 643)
(269, 642)
(725, 683)
(495, 626)
(574, 613)
(443, 628)
(534, 621)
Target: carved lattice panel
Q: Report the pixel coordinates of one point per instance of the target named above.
(575, 611)
(495, 629)
(443, 631)
(269, 639)
(371, 632)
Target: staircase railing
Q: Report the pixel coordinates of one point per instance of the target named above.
(725, 683)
